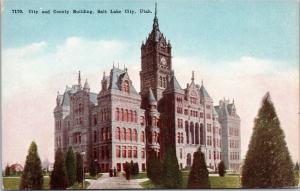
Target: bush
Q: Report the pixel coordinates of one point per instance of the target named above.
(268, 163)
(221, 169)
(32, 177)
(154, 167)
(7, 170)
(58, 178)
(198, 176)
(171, 175)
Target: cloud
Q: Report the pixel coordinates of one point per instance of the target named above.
(34, 73)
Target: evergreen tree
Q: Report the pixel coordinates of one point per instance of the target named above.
(92, 167)
(154, 167)
(198, 177)
(171, 175)
(136, 169)
(296, 166)
(221, 168)
(131, 167)
(79, 167)
(7, 170)
(127, 170)
(268, 163)
(71, 166)
(59, 178)
(32, 176)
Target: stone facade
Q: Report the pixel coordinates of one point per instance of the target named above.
(119, 124)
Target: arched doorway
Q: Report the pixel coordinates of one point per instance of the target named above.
(188, 160)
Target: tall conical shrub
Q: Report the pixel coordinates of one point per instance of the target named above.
(154, 167)
(171, 175)
(71, 166)
(268, 163)
(58, 178)
(32, 176)
(198, 177)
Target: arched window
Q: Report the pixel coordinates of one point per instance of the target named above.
(124, 134)
(118, 134)
(202, 141)
(135, 117)
(160, 81)
(134, 136)
(197, 133)
(192, 133)
(187, 132)
(118, 151)
(117, 114)
(181, 137)
(126, 115)
(142, 136)
(178, 137)
(130, 116)
(128, 134)
(122, 114)
(126, 86)
(104, 134)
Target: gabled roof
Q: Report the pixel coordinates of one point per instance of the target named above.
(116, 76)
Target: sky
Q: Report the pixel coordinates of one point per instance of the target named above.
(240, 49)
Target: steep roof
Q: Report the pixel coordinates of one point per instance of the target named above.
(116, 76)
(203, 91)
(151, 97)
(173, 84)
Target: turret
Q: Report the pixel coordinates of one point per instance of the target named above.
(86, 86)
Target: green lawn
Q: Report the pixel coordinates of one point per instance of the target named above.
(78, 186)
(139, 176)
(12, 183)
(88, 176)
(215, 182)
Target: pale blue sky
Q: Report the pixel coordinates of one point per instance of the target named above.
(214, 30)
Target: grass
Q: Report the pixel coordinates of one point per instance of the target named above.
(149, 185)
(139, 176)
(12, 183)
(88, 176)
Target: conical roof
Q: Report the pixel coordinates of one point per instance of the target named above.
(86, 85)
(151, 97)
(203, 91)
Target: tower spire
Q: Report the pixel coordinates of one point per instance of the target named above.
(155, 20)
(193, 76)
(79, 78)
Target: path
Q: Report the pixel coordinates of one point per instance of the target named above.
(106, 182)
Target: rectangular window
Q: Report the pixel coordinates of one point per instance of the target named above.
(118, 152)
(124, 152)
(135, 152)
(129, 152)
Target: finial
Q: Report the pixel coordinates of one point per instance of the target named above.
(233, 100)
(193, 75)
(113, 64)
(79, 78)
(155, 9)
(202, 82)
(57, 92)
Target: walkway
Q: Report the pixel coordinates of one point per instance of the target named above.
(106, 182)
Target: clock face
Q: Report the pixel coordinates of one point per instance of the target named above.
(163, 61)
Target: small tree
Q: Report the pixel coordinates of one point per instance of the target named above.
(32, 177)
(79, 168)
(127, 170)
(221, 168)
(7, 170)
(59, 178)
(268, 163)
(198, 177)
(135, 169)
(131, 167)
(171, 175)
(71, 166)
(296, 166)
(154, 167)
(92, 167)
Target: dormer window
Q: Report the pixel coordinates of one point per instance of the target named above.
(126, 86)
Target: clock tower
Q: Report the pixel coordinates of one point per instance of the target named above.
(156, 62)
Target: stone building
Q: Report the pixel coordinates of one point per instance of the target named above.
(118, 124)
